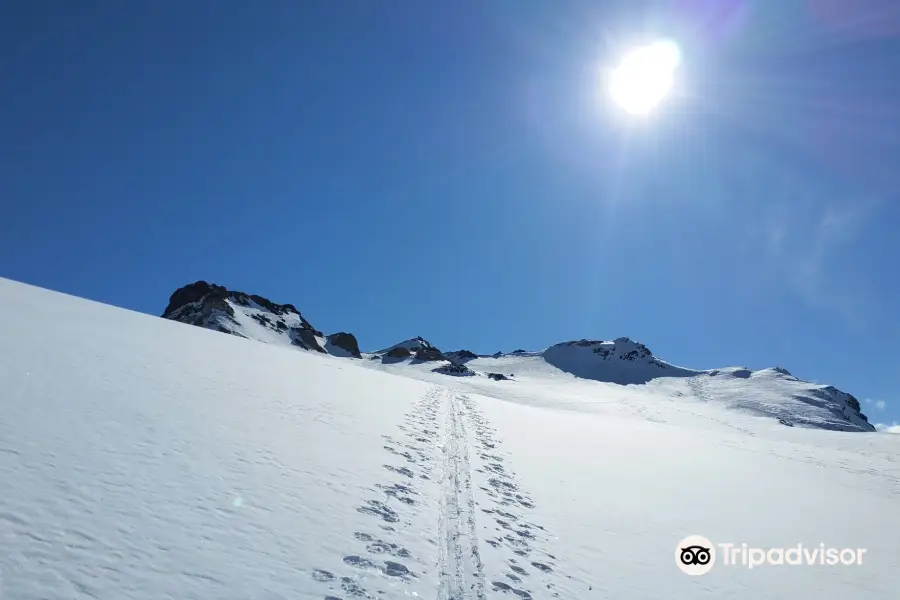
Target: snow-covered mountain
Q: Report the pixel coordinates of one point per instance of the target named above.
(589, 371)
(769, 393)
(621, 361)
(417, 348)
(253, 317)
(140, 458)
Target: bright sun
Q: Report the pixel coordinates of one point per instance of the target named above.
(645, 77)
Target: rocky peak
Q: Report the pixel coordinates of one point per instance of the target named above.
(460, 356)
(191, 293)
(418, 348)
(621, 348)
(412, 344)
(244, 315)
(343, 341)
(429, 354)
(201, 290)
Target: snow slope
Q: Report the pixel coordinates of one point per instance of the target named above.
(143, 458)
(576, 374)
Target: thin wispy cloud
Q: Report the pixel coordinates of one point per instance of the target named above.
(797, 234)
(804, 251)
(814, 277)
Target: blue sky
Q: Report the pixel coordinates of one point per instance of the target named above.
(452, 170)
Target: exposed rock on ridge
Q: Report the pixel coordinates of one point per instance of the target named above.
(346, 342)
(215, 307)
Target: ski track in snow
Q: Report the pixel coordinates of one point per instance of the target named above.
(446, 440)
(462, 573)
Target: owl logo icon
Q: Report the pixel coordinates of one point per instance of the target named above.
(695, 555)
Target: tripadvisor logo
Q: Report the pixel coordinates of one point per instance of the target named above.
(696, 555)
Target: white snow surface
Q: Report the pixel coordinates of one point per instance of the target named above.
(145, 458)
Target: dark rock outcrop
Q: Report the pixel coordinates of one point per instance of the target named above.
(306, 338)
(213, 306)
(191, 293)
(194, 302)
(345, 341)
(498, 376)
(398, 352)
(427, 354)
(455, 369)
(461, 356)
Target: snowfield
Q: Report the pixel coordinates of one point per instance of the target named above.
(145, 458)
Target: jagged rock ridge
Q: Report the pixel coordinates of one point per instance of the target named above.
(253, 317)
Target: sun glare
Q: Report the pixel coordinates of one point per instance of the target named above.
(644, 77)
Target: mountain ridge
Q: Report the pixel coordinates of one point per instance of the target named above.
(621, 361)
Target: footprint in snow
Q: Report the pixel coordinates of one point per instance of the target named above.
(396, 488)
(377, 546)
(400, 470)
(360, 562)
(322, 575)
(395, 569)
(390, 568)
(505, 587)
(526, 534)
(379, 509)
(502, 485)
(349, 585)
(488, 491)
(515, 541)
